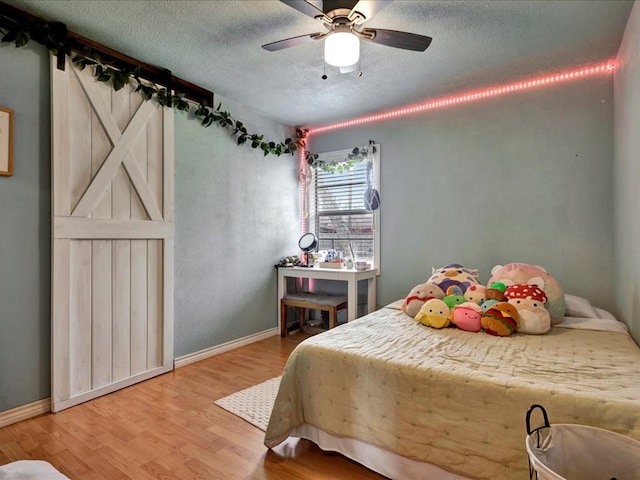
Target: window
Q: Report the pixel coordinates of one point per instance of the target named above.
(338, 214)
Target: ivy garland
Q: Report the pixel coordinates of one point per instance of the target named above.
(357, 155)
(53, 35)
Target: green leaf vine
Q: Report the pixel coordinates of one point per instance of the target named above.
(54, 36)
(357, 155)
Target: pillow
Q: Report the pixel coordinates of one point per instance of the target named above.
(397, 305)
(515, 273)
(579, 307)
(604, 314)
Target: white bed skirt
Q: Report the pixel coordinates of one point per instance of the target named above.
(375, 458)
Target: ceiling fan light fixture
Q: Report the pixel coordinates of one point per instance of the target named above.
(341, 49)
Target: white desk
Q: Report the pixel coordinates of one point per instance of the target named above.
(351, 276)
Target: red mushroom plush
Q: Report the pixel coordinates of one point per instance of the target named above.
(529, 300)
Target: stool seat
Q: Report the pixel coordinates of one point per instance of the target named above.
(311, 301)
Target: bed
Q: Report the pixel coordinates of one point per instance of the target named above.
(409, 401)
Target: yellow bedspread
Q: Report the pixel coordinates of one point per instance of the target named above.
(454, 398)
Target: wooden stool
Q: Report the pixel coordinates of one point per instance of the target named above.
(312, 301)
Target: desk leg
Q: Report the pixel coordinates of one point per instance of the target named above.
(352, 299)
(371, 295)
(282, 289)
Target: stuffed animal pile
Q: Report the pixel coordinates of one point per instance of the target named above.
(517, 298)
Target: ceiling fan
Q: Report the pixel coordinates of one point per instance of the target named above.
(343, 20)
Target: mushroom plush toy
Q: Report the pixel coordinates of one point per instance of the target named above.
(529, 300)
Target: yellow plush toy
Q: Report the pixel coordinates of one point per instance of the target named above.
(434, 313)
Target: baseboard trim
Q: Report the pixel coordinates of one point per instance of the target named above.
(25, 412)
(40, 407)
(225, 347)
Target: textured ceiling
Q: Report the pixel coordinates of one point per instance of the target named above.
(217, 44)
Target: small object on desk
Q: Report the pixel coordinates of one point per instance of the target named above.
(330, 264)
(307, 243)
(290, 261)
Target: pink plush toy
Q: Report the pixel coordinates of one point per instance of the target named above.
(514, 273)
(418, 295)
(467, 316)
(476, 294)
(529, 300)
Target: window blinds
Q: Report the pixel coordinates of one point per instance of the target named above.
(342, 222)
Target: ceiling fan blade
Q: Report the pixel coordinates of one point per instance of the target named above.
(292, 42)
(367, 9)
(404, 40)
(306, 8)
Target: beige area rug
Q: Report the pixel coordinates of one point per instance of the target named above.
(30, 470)
(253, 404)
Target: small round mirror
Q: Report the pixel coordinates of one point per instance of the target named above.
(307, 242)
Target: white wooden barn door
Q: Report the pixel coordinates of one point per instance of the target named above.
(113, 238)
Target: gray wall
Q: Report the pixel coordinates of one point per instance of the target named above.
(25, 231)
(237, 213)
(525, 177)
(627, 174)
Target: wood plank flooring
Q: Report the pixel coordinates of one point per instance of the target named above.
(169, 428)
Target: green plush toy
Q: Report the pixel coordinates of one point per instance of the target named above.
(453, 300)
(495, 291)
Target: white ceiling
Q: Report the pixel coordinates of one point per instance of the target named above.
(217, 44)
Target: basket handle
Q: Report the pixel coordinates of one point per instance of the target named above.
(528, 418)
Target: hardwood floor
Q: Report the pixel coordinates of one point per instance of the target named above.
(169, 428)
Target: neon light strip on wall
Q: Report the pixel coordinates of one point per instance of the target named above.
(599, 69)
(303, 191)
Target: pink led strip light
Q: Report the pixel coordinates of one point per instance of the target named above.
(603, 68)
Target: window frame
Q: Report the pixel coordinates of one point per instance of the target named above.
(336, 156)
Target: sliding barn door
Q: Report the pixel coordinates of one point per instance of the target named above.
(112, 280)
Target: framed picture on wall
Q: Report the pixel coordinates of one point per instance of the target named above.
(6, 142)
